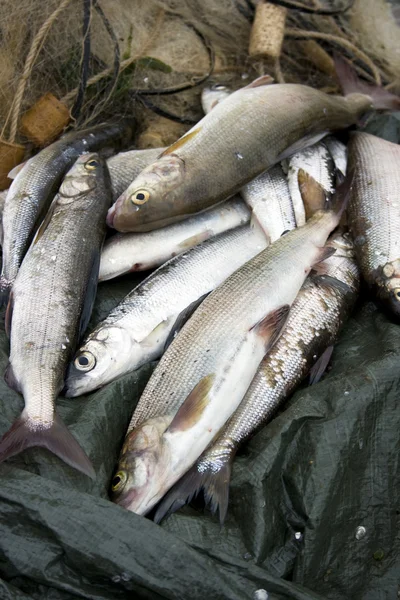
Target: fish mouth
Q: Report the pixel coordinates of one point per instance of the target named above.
(110, 216)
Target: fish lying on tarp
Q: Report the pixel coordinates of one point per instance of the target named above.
(34, 186)
(374, 215)
(204, 374)
(128, 252)
(137, 329)
(242, 136)
(315, 320)
(50, 306)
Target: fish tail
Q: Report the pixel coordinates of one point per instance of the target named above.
(215, 486)
(56, 438)
(5, 289)
(351, 83)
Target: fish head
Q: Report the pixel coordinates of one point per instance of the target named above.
(139, 480)
(387, 287)
(211, 96)
(81, 178)
(107, 353)
(153, 197)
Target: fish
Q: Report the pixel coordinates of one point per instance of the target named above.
(211, 96)
(317, 162)
(34, 186)
(338, 151)
(131, 252)
(3, 195)
(269, 198)
(50, 306)
(205, 372)
(374, 216)
(242, 136)
(137, 330)
(125, 166)
(316, 318)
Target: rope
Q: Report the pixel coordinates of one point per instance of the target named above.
(300, 33)
(125, 63)
(37, 44)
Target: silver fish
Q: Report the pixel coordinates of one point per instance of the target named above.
(213, 95)
(248, 132)
(374, 215)
(127, 252)
(124, 167)
(136, 331)
(316, 318)
(269, 198)
(51, 304)
(338, 151)
(204, 374)
(34, 187)
(3, 196)
(317, 162)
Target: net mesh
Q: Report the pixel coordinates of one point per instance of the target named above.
(161, 45)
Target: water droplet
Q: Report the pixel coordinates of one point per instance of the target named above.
(247, 556)
(63, 347)
(360, 532)
(238, 155)
(314, 357)
(146, 79)
(245, 76)
(53, 258)
(125, 577)
(260, 595)
(346, 393)
(116, 578)
(298, 535)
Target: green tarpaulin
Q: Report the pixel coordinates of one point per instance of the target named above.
(326, 466)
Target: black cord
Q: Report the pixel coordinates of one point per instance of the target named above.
(167, 115)
(185, 86)
(76, 109)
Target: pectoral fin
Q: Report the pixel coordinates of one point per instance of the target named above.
(193, 407)
(14, 172)
(271, 326)
(195, 240)
(182, 318)
(312, 193)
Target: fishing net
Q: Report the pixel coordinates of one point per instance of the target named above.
(97, 56)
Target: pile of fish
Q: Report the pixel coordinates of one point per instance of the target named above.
(255, 229)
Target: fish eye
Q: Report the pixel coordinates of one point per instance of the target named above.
(118, 481)
(85, 361)
(92, 164)
(396, 292)
(140, 197)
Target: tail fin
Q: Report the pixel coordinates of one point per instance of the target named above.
(56, 438)
(215, 486)
(350, 84)
(5, 289)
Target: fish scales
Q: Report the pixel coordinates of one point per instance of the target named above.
(374, 209)
(269, 198)
(316, 317)
(125, 166)
(189, 358)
